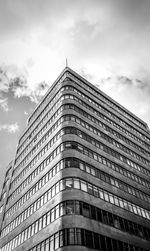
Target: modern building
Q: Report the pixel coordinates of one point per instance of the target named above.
(80, 179)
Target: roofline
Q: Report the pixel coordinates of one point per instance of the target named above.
(68, 69)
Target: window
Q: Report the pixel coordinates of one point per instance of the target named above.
(62, 209)
(90, 189)
(52, 243)
(88, 239)
(56, 241)
(62, 238)
(83, 186)
(86, 210)
(70, 207)
(69, 183)
(76, 183)
(70, 236)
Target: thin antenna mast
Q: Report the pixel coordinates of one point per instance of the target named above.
(66, 62)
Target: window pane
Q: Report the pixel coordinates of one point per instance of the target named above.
(90, 190)
(56, 241)
(106, 196)
(62, 209)
(88, 239)
(86, 210)
(47, 245)
(83, 186)
(78, 237)
(62, 185)
(52, 243)
(70, 207)
(101, 194)
(76, 184)
(71, 236)
(82, 167)
(69, 183)
(62, 238)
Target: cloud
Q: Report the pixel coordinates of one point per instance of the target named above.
(26, 113)
(132, 93)
(12, 128)
(4, 104)
(127, 82)
(20, 89)
(14, 83)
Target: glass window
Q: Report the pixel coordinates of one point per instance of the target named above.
(90, 189)
(53, 191)
(121, 203)
(78, 237)
(57, 211)
(81, 166)
(101, 194)
(116, 201)
(85, 210)
(62, 209)
(71, 236)
(36, 227)
(88, 239)
(83, 186)
(76, 183)
(52, 214)
(57, 188)
(56, 241)
(44, 221)
(62, 238)
(48, 218)
(96, 241)
(67, 163)
(106, 196)
(77, 207)
(70, 207)
(96, 193)
(51, 243)
(93, 171)
(111, 199)
(88, 169)
(69, 183)
(42, 247)
(47, 245)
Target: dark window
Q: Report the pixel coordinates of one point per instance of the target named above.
(69, 207)
(99, 215)
(77, 207)
(96, 241)
(71, 236)
(105, 218)
(88, 239)
(109, 244)
(86, 210)
(78, 237)
(103, 243)
(93, 213)
(115, 245)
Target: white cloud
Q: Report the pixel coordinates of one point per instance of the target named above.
(15, 84)
(26, 113)
(4, 104)
(11, 128)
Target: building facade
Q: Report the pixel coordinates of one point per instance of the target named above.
(80, 179)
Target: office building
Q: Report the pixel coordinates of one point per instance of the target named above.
(80, 179)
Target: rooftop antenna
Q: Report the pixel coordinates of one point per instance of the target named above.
(66, 62)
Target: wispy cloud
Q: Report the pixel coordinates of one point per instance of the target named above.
(11, 128)
(124, 81)
(18, 86)
(4, 104)
(14, 82)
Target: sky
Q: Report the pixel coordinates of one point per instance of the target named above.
(107, 42)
